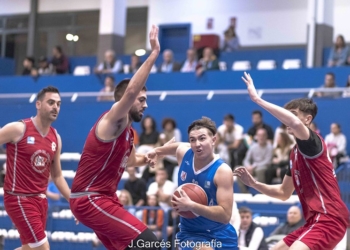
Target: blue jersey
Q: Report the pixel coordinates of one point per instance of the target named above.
(200, 228)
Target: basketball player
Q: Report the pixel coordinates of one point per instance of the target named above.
(310, 173)
(199, 165)
(107, 152)
(33, 152)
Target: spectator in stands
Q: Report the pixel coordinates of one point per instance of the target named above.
(231, 40)
(45, 68)
(278, 130)
(135, 64)
(257, 119)
(329, 82)
(314, 127)
(169, 65)
(154, 217)
(162, 188)
(250, 236)
(258, 158)
(347, 86)
(230, 135)
(339, 53)
(59, 61)
(336, 144)
(149, 135)
(53, 195)
(29, 67)
(110, 65)
(294, 221)
(136, 187)
(208, 62)
(126, 200)
(280, 160)
(191, 61)
(109, 86)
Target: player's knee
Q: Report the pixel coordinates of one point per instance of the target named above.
(146, 238)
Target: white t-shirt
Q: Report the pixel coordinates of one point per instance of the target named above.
(235, 134)
(168, 188)
(339, 140)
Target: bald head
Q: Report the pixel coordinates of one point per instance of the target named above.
(293, 215)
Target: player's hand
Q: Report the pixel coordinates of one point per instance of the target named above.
(250, 87)
(182, 203)
(151, 158)
(153, 39)
(245, 176)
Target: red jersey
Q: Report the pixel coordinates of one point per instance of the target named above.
(29, 160)
(316, 184)
(102, 163)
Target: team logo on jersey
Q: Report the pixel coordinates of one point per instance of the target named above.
(207, 184)
(187, 163)
(183, 176)
(30, 140)
(297, 180)
(40, 161)
(53, 146)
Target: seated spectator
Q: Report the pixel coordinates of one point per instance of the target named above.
(329, 83)
(149, 134)
(336, 144)
(59, 61)
(230, 135)
(339, 53)
(29, 68)
(126, 200)
(110, 65)
(294, 221)
(191, 62)
(169, 65)
(45, 68)
(278, 130)
(53, 195)
(153, 218)
(136, 187)
(208, 62)
(231, 40)
(162, 188)
(250, 235)
(347, 86)
(257, 119)
(109, 87)
(135, 64)
(258, 158)
(280, 160)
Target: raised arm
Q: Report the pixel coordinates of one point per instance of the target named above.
(300, 131)
(11, 132)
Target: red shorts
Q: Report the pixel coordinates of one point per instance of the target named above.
(29, 214)
(322, 232)
(113, 225)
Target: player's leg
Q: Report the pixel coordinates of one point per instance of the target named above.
(298, 245)
(146, 240)
(281, 245)
(44, 246)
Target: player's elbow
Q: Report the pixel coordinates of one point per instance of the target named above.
(226, 217)
(296, 124)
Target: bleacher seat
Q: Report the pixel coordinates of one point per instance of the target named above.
(81, 71)
(222, 66)
(291, 64)
(241, 65)
(266, 65)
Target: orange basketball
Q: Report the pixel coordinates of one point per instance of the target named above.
(195, 193)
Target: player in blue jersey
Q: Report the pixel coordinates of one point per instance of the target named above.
(199, 165)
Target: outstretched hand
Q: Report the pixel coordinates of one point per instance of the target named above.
(152, 157)
(245, 176)
(250, 87)
(153, 39)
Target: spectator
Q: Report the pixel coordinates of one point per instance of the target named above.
(149, 135)
(45, 68)
(258, 158)
(108, 88)
(110, 65)
(191, 62)
(347, 86)
(59, 61)
(162, 188)
(135, 64)
(294, 221)
(208, 62)
(136, 187)
(126, 200)
(29, 69)
(336, 144)
(231, 40)
(53, 195)
(280, 160)
(251, 236)
(313, 127)
(339, 53)
(154, 217)
(169, 65)
(230, 136)
(259, 123)
(329, 82)
(279, 130)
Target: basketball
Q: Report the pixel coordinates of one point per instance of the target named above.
(195, 193)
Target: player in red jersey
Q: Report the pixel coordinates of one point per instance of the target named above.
(33, 152)
(108, 150)
(310, 173)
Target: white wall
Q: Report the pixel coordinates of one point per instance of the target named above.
(14, 6)
(342, 18)
(67, 5)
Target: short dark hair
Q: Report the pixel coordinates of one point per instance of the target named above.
(229, 117)
(331, 74)
(110, 77)
(59, 49)
(168, 120)
(257, 112)
(48, 89)
(120, 89)
(305, 105)
(243, 210)
(205, 122)
(31, 59)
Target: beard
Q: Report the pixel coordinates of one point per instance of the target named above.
(135, 115)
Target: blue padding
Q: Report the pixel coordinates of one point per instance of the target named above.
(6, 223)
(7, 66)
